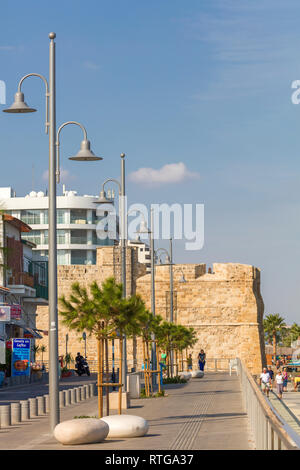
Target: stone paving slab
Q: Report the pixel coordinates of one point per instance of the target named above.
(204, 414)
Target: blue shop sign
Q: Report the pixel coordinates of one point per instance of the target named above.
(20, 360)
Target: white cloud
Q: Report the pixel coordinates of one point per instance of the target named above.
(91, 65)
(167, 174)
(7, 48)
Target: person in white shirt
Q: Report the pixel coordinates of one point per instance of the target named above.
(265, 381)
(279, 383)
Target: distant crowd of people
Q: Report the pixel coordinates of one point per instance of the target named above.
(278, 374)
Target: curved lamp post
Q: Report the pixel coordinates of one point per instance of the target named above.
(144, 229)
(169, 262)
(122, 213)
(20, 106)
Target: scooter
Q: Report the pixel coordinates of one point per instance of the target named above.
(82, 368)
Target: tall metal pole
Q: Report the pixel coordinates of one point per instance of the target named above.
(171, 283)
(153, 349)
(123, 262)
(171, 297)
(53, 317)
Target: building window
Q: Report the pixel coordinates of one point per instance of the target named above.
(31, 217)
(61, 237)
(78, 216)
(34, 237)
(62, 257)
(79, 257)
(60, 216)
(78, 237)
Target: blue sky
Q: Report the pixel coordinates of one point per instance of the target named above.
(206, 83)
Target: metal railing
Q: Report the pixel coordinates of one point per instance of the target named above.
(267, 429)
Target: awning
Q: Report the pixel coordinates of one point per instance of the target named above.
(32, 332)
(27, 329)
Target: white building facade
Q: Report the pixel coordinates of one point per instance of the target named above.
(77, 220)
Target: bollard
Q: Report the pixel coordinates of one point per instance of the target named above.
(92, 390)
(32, 407)
(77, 391)
(46, 403)
(15, 409)
(87, 392)
(67, 397)
(24, 410)
(61, 399)
(40, 406)
(5, 417)
(82, 393)
(73, 396)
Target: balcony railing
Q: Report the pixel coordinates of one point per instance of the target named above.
(39, 271)
(24, 279)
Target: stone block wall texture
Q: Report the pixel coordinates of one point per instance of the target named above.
(225, 307)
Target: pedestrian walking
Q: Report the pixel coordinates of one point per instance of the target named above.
(190, 362)
(201, 359)
(279, 383)
(265, 381)
(271, 374)
(285, 379)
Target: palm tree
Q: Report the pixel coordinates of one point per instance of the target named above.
(273, 326)
(102, 314)
(295, 332)
(43, 349)
(148, 326)
(36, 349)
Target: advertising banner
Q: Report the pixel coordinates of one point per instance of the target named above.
(15, 312)
(20, 359)
(4, 313)
(2, 352)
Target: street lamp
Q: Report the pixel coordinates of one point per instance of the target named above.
(123, 234)
(144, 229)
(20, 106)
(169, 262)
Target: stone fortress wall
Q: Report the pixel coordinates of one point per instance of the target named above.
(225, 307)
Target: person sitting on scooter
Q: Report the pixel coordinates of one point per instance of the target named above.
(79, 359)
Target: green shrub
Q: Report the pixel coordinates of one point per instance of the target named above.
(83, 416)
(175, 380)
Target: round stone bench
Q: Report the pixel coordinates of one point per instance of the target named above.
(197, 374)
(126, 426)
(81, 431)
(185, 375)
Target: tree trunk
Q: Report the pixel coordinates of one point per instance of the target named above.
(120, 373)
(99, 384)
(274, 347)
(134, 352)
(107, 380)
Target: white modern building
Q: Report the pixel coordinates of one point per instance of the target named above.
(143, 253)
(76, 224)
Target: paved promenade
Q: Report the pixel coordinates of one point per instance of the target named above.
(23, 392)
(203, 414)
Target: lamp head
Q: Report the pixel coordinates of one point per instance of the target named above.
(143, 227)
(85, 153)
(19, 105)
(103, 199)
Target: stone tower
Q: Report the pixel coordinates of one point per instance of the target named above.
(225, 307)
